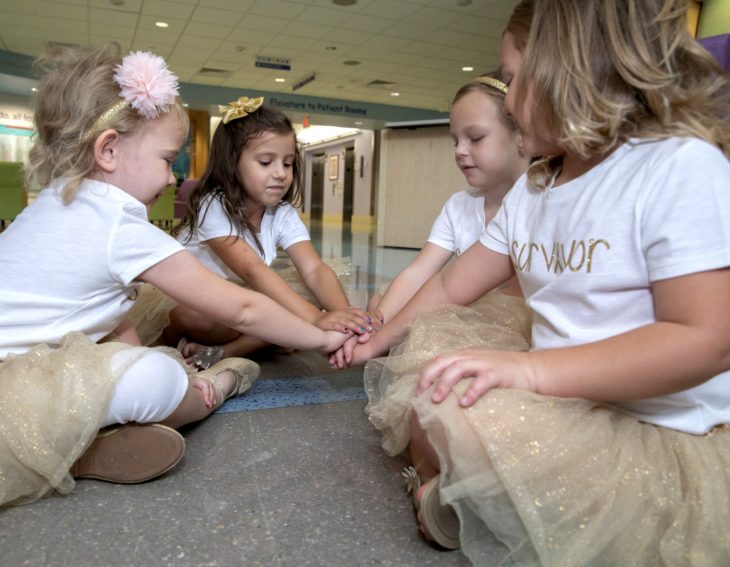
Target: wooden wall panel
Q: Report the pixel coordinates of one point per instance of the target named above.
(417, 175)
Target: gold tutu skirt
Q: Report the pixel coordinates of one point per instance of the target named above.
(538, 480)
(52, 402)
(150, 313)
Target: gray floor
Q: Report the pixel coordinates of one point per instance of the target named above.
(298, 485)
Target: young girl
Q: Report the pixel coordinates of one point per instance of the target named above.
(487, 151)
(108, 132)
(608, 443)
(239, 213)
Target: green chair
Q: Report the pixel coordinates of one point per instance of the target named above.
(13, 197)
(162, 212)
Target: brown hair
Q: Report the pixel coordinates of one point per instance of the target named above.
(221, 173)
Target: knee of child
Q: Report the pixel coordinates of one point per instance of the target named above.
(149, 390)
(191, 320)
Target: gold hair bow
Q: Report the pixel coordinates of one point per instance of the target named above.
(240, 108)
(492, 82)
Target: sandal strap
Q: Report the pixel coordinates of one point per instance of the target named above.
(411, 478)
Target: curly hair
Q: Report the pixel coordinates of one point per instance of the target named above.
(76, 88)
(604, 71)
(221, 177)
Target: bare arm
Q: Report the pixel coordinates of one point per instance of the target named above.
(465, 280)
(429, 261)
(247, 265)
(685, 347)
(318, 276)
(188, 282)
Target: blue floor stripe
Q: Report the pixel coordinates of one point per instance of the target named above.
(288, 392)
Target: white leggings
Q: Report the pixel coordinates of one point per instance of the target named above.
(148, 391)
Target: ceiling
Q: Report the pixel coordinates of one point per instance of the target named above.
(416, 47)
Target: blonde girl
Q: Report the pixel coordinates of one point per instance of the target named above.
(239, 213)
(108, 131)
(487, 150)
(608, 443)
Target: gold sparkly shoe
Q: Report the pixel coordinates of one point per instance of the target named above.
(246, 372)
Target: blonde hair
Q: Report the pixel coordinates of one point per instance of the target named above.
(495, 94)
(603, 71)
(76, 89)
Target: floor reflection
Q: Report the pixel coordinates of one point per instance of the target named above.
(371, 265)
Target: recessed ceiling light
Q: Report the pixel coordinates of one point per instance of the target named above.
(162, 24)
(185, 104)
(358, 122)
(280, 80)
(35, 90)
(467, 68)
(394, 94)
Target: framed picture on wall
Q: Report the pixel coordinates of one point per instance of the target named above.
(334, 167)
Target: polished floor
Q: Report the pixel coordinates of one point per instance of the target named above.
(289, 474)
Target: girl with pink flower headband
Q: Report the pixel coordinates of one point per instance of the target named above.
(79, 395)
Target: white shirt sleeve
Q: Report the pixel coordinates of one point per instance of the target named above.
(136, 245)
(685, 213)
(213, 221)
(288, 227)
(443, 231)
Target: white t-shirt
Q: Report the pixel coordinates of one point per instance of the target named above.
(280, 227)
(586, 253)
(460, 222)
(72, 267)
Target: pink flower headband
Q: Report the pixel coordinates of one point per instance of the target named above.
(146, 84)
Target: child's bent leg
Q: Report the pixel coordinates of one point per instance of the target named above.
(423, 456)
(188, 323)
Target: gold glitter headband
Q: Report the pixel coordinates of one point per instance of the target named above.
(492, 82)
(240, 108)
(105, 118)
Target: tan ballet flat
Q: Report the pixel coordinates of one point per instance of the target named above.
(246, 372)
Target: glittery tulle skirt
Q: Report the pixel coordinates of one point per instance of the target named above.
(150, 313)
(52, 402)
(495, 321)
(537, 480)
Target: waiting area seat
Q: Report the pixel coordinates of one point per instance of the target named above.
(13, 196)
(162, 212)
(183, 194)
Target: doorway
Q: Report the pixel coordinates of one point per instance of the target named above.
(317, 198)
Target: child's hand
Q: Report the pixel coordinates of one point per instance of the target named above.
(342, 357)
(353, 353)
(489, 368)
(206, 388)
(335, 340)
(352, 319)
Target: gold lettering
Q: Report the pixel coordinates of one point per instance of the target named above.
(573, 248)
(591, 248)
